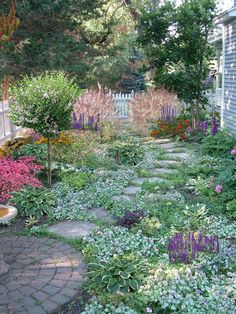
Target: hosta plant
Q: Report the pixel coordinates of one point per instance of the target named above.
(33, 201)
(39, 152)
(127, 153)
(121, 274)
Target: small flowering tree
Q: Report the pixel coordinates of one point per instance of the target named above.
(44, 103)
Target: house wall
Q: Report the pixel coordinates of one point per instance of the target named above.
(229, 80)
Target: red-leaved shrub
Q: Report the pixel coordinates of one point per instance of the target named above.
(94, 103)
(146, 108)
(15, 174)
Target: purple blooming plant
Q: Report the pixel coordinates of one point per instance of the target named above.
(184, 248)
(204, 126)
(92, 122)
(168, 113)
(214, 127)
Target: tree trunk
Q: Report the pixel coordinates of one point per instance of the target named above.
(197, 115)
(49, 164)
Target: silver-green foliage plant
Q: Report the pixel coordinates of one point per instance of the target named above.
(121, 274)
(44, 103)
(119, 241)
(96, 308)
(184, 290)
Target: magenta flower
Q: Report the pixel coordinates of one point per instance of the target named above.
(233, 152)
(218, 188)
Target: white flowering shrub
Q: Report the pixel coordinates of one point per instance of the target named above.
(103, 244)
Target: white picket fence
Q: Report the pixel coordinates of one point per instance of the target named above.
(121, 103)
(7, 129)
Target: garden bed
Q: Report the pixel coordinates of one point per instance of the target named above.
(170, 202)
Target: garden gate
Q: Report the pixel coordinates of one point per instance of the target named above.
(121, 102)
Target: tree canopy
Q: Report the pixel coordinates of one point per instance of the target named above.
(175, 40)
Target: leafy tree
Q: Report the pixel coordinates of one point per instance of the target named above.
(44, 103)
(91, 39)
(175, 40)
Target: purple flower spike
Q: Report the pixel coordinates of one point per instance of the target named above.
(214, 127)
(184, 247)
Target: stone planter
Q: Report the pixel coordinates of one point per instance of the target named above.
(6, 213)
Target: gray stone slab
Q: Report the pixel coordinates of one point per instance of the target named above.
(101, 213)
(169, 145)
(157, 171)
(131, 190)
(73, 229)
(164, 163)
(140, 181)
(178, 155)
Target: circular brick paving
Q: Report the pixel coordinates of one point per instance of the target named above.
(44, 273)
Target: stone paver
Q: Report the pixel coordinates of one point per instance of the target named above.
(156, 171)
(178, 155)
(164, 163)
(73, 229)
(40, 281)
(101, 213)
(170, 145)
(140, 181)
(131, 190)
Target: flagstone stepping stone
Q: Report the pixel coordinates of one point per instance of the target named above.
(164, 163)
(131, 190)
(170, 145)
(73, 229)
(156, 171)
(139, 181)
(178, 155)
(121, 198)
(101, 213)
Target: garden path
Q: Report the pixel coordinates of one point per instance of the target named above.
(168, 163)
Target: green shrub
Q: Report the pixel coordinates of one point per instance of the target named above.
(231, 209)
(126, 153)
(33, 201)
(39, 152)
(150, 226)
(120, 274)
(218, 145)
(76, 180)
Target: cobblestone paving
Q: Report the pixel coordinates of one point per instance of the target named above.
(44, 273)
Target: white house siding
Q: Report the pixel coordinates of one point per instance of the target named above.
(229, 81)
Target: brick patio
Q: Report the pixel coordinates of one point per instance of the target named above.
(44, 274)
